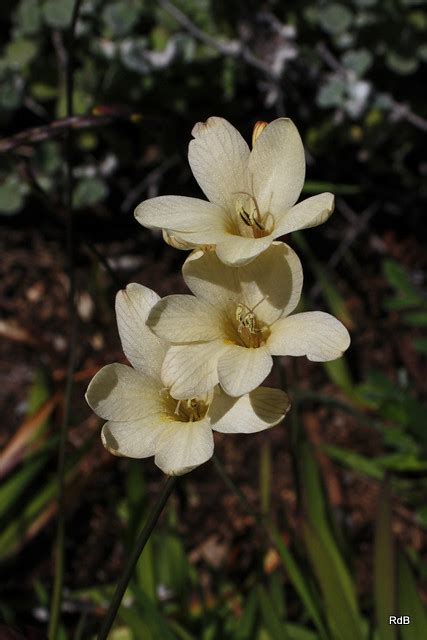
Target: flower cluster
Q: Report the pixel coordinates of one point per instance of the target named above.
(198, 360)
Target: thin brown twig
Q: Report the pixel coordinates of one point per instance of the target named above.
(57, 128)
(400, 110)
(233, 49)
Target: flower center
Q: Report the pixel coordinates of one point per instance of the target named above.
(251, 222)
(251, 333)
(191, 410)
(188, 410)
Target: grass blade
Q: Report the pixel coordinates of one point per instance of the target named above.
(409, 602)
(344, 621)
(270, 618)
(384, 567)
(335, 577)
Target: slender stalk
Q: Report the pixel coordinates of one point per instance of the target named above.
(60, 534)
(134, 557)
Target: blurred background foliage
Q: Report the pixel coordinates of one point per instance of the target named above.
(312, 547)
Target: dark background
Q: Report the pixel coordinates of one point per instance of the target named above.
(350, 76)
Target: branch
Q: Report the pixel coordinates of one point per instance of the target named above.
(399, 109)
(233, 48)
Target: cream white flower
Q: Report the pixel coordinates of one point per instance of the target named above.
(252, 194)
(145, 420)
(236, 321)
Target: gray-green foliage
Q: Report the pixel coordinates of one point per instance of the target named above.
(348, 56)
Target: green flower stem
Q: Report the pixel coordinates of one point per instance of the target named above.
(134, 557)
(55, 611)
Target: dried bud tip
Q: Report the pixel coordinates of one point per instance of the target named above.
(258, 129)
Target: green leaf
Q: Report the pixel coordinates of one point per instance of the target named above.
(29, 16)
(401, 64)
(140, 626)
(397, 276)
(171, 564)
(299, 581)
(245, 629)
(402, 462)
(420, 344)
(271, 619)
(120, 17)
(14, 532)
(409, 602)
(58, 13)
(145, 571)
(21, 52)
(277, 594)
(416, 318)
(296, 632)
(332, 94)
(335, 301)
(42, 91)
(344, 620)
(13, 488)
(11, 91)
(384, 567)
(88, 192)
(149, 612)
(315, 187)
(180, 632)
(335, 18)
(358, 61)
(11, 197)
(316, 509)
(39, 392)
(133, 55)
(339, 373)
(352, 460)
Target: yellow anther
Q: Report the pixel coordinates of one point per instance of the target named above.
(246, 320)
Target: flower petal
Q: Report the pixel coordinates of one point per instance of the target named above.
(260, 409)
(184, 318)
(218, 158)
(134, 439)
(210, 279)
(190, 370)
(305, 214)
(184, 446)
(314, 334)
(271, 284)
(144, 350)
(119, 393)
(183, 215)
(240, 369)
(177, 242)
(277, 167)
(236, 251)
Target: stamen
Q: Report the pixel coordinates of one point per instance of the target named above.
(245, 217)
(252, 336)
(177, 407)
(252, 218)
